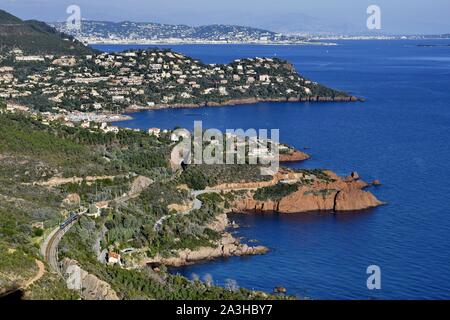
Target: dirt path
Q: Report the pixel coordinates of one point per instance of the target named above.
(57, 181)
(137, 186)
(196, 204)
(39, 274)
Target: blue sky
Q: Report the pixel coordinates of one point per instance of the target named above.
(398, 16)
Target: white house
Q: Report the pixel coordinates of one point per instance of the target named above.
(264, 78)
(114, 258)
(154, 132)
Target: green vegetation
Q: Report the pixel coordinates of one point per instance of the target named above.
(325, 193)
(51, 287)
(80, 152)
(276, 192)
(31, 152)
(198, 177)
(210, 198)
(18, 248)
(14, 257)
(21, 206)
(155, 221)
(318, 173)
(34, 37)
(187, 231)
(145, 283)
(115, 81)
(99, 190)
(139, 284)
(281, 190)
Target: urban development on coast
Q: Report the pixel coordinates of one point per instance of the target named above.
(91, 210)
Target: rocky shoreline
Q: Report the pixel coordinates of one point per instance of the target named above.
(295, 156)
(227, 246)
(110, 117)
(339, 195)
(342, 195)
(244, 101)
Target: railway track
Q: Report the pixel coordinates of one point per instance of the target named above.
(49, 248)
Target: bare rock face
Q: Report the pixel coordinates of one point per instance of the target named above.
(300, 201)
(376, 182)
(178, 207)
(72, 199)
(340, 194)
(355, 199)
(294, 156)
(91, 287)
(139, 184)
(355, 175)
(220, 224)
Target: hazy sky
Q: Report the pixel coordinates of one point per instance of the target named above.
(398, 16)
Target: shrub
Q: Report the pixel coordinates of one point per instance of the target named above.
(276, 192)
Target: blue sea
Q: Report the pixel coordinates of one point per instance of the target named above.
(400, 135)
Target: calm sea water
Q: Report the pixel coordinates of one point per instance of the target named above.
(400, 135)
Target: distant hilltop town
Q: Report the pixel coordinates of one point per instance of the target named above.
(127, 32)
(142, 33)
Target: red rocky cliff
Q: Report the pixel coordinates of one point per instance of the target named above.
(336, 194)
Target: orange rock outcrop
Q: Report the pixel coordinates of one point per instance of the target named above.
(339, 195)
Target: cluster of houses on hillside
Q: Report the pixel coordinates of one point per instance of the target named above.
(140, 79)
(153, 33)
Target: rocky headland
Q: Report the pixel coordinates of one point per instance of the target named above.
(227, 246)
(314, 191)
(294, 156)
(331, 193)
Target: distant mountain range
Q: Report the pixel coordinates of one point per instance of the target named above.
(140, 32)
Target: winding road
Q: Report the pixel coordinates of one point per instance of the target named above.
(196, 205)
(49, 248)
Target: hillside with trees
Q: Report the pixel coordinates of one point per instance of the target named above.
(35, 37)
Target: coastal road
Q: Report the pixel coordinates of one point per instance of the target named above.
(196, 204)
